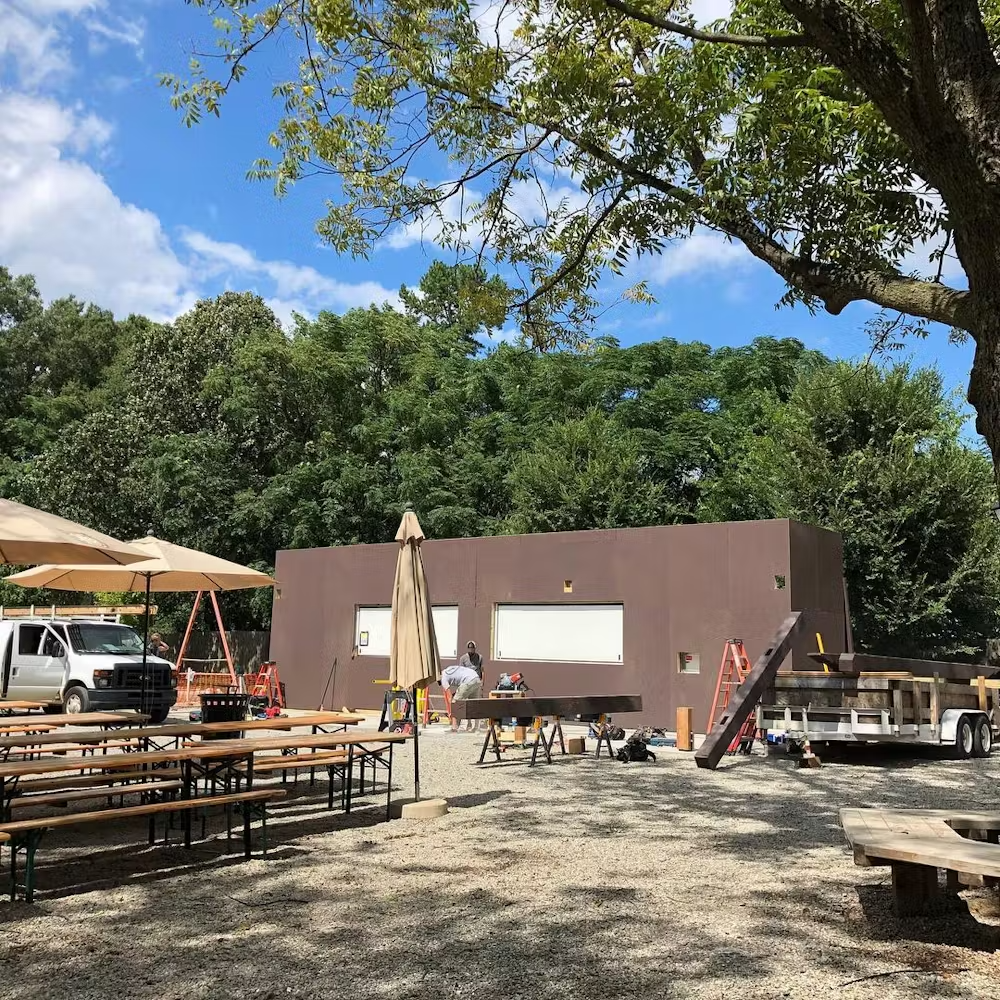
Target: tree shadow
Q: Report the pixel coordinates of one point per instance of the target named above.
(650, 880)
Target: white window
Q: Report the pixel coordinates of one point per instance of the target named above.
(688, 663)
(560, 633)
(372, 634)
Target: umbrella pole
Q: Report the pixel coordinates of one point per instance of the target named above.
(145, 647)
(416, 748)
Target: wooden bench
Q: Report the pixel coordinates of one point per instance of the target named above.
(27, 834)
(61, 749)
(82, 794)
(915, 843)
(29, 785)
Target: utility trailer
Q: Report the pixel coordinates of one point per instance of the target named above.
(931, 704)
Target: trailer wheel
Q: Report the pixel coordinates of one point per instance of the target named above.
(965, 739)
(983, 738)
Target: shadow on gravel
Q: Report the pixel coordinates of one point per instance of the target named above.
(392, 912)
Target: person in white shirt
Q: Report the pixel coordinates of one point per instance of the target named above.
(463, 682)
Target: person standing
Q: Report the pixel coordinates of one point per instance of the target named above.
(463, 682)
(157, 647)
(473, 659)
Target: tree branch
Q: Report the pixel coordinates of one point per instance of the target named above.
(835, 286)
(572, 263)
(698, 35)
(869, 59)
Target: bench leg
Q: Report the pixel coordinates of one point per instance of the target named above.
(388, 788)
(246, 830)
(914, 888)
(29, 844)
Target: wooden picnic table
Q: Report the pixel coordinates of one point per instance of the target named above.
(915, 843)
(211, 760)
(154, 736)
(10, 707)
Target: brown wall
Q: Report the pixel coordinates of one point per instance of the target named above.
(684, 588)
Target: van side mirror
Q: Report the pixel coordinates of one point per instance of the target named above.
(53, 647)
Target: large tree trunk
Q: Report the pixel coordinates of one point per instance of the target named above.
(984, 384)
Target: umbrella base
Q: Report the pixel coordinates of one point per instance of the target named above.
(424, 809)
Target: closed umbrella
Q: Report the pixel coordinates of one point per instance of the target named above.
(167, 568)
(28, 536)
(413, 653)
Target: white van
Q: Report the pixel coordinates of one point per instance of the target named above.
(82, 665)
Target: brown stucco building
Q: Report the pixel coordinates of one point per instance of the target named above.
(680, 592)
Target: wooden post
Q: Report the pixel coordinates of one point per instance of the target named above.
(935, 704)
(222, 636)
(914, 888)
(898, 715)
(685, 739)
(981, 687)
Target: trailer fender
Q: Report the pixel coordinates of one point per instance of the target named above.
(949, 722)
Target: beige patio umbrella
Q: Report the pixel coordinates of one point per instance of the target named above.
(413, 652)
(166, 568)
(28, 535)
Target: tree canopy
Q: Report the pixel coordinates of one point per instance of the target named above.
(225, 432)
(837, 140)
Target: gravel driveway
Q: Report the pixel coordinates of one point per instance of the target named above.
(585, 879)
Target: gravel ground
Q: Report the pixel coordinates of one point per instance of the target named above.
(585, 879)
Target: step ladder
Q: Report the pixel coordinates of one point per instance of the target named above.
(429, 705)
(267, 686)
(733, 671)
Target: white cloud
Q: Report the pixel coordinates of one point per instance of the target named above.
(60, 221)
(707, 11)
(35, 42)
(703, 252)
(287, 287)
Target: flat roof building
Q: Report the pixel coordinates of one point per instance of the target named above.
(625, 611)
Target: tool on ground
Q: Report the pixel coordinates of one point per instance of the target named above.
(331, 677)
(733, 671)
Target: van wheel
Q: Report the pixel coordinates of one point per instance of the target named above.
(983, 738)
(965, 740)
(158, 715)
(76, 700)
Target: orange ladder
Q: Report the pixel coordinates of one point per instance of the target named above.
(733, 672)
(267, 685)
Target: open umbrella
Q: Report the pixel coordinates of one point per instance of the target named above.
(167, 568)
(413, 653)
(28, 536)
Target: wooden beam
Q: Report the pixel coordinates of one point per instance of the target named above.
(748, 693)
(530, 708)
(37, 611)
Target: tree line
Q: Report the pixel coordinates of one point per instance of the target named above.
(225, 432)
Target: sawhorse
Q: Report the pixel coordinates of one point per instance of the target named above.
(603, 736)
(492, 742)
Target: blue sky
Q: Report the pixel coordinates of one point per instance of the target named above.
(105, 195)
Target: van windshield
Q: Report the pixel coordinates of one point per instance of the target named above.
(96, 638)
